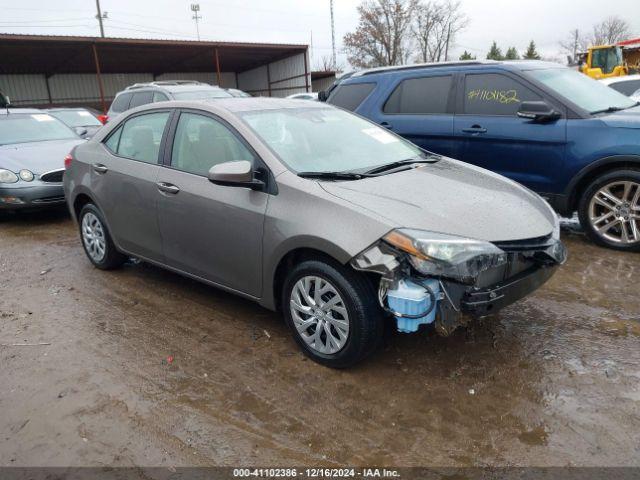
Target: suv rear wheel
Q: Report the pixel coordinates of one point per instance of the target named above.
(332, 312)
(609, 210)
(96, 240)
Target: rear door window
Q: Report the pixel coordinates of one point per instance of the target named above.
(141, 98)
(121, 102)
(141, 137)
(351, 96)
(159, 97)
(495, 94)
(427, 95)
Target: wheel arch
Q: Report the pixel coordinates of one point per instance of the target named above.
(294, 251)
(595, 169)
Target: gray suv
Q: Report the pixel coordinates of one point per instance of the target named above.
(144, 93)
(314, 211)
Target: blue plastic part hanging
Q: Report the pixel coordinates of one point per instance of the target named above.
(411, 298)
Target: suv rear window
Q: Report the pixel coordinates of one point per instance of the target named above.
(141, 98)
(351, 96)
(420, 96)
(121, 102)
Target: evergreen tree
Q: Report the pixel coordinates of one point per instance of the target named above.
(495, 53)
(512, 54)
(467, 56)
(531, 53)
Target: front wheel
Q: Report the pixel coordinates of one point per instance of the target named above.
(332, 312)
(96, 240)
(609, 210)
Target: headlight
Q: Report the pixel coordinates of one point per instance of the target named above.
(437, 254)
(7, 176)
(26, 175)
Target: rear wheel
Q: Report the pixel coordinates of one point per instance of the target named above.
(609, 210)
(332, 312)
(96, 240)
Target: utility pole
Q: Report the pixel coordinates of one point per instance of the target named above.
(100, 16)
(576, 37)
(333, 38)
(195, 8)
(446, 48)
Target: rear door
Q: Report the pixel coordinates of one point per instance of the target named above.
(211, 231)
(124, 176)
(420, 108)
(492, 136)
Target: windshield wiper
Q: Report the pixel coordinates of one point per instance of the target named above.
(401, 163)
(334, 175)
(608, 110)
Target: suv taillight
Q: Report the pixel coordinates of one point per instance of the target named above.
(67, 161)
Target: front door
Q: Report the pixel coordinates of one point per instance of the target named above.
(211, 231)
(492, 136)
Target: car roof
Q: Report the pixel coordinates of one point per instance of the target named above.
(235, 104)
(65, 109)
(625, 78)
(171, 86)
(3, 111)
(476, 64)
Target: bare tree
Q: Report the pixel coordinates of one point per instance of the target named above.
(434, 28)
(381, 38)
(574, 44)
(610, 30)
(325, 64)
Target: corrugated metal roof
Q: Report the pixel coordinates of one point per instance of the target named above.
(54, 54)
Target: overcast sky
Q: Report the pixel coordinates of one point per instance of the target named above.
(509, 22)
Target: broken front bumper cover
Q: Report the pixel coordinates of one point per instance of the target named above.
(527, 266)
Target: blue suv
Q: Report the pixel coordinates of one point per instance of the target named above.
(571, 139)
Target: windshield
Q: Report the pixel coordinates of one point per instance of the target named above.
(76, 118)
(37, 127)
(201, 94)
(327, 140)
(581, 90)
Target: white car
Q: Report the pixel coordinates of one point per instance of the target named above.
(636, 96)
(304, 96)
(627, 85)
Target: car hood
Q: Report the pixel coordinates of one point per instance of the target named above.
(629, 118)
(39, 157)
(454, 198)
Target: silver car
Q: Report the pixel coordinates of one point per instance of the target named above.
(33, 146)
(314, 211)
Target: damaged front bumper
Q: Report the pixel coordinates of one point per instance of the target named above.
(525, 267)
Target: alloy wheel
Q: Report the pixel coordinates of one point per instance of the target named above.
(93, 237)
(614, 212)
(319, 314)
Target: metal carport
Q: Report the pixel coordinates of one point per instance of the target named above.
(41, 70)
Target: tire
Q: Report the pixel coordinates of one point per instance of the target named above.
(106, 258)
(620, 229)
(358, 297)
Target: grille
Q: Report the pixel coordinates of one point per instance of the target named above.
(57, 199)
(528, 244)
(52, 177)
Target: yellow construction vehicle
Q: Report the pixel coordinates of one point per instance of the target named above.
(606, 61)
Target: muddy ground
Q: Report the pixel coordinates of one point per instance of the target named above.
(145, 367)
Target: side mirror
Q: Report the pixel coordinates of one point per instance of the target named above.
(80, 131)
(235, 174)
(538, 112)
(322, 96)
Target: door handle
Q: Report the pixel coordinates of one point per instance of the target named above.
(386, 125)
(167, 188)
(99, 168)
(475, 129)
